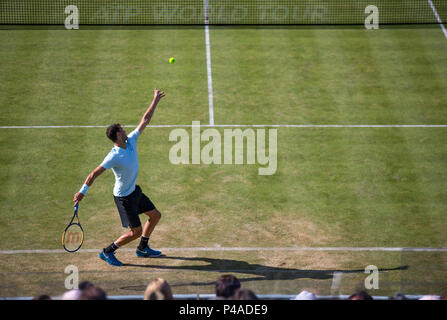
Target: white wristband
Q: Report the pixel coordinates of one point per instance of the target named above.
(84, 189)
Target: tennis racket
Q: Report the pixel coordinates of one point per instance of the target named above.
(73, 235)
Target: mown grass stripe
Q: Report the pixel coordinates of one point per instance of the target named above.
(244, 126)
(217, 249)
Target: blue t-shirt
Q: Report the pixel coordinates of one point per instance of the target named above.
(124, 164)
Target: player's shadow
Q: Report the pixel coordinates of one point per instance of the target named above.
(258, 271)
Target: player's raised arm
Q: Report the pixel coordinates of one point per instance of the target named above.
(88, 182)
(150, 111)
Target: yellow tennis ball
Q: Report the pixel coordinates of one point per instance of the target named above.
(172, 60)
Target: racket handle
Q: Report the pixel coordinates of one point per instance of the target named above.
(76, 207)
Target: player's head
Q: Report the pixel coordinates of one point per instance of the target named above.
(115, 133)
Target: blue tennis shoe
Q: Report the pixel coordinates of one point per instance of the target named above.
(110, 258)
(147, 253)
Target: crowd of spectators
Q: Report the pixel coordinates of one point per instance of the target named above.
(227, 287)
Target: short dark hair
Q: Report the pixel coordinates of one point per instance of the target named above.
(112, 131)
(42, 297)
(93, 293)
(227, 285)
(244, 294)
(398, 296)
(360, 295)
(85, 285)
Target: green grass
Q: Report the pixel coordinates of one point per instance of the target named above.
(100, 76)
(329, 76)
(342, 187)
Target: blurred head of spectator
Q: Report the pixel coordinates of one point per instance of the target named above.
(226, 286)
(158, 289)
(429, 297)
(399, 296)
(42, 297)
(360, 295)
(92, 292)
(243, 294)
(85, 285)
(305, 295)
(73, 294)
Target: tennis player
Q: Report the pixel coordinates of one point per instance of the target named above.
(129, 198)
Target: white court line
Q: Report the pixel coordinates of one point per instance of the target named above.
(244, 126)
(438, 17)
(218, 249)
(208, 63)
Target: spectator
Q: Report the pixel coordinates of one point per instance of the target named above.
(74, 294)
(305, 295)
(158, 289)
(429, 297)
(226, 286)
(360, 295)
(92, 292)
(399, 296)
(42, 297)
(244, 294)
(85, 285)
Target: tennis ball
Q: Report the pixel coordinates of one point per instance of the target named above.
(172, 60)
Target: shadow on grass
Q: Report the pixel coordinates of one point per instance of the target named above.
(260, 272)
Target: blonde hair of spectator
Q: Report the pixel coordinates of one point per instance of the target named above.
(158, 289)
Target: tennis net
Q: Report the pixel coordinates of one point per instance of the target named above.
(146, 12)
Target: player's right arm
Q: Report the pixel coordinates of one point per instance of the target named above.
(89, 181)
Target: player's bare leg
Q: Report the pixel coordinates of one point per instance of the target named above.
(143, 249)
(154, 217)
(129, 236)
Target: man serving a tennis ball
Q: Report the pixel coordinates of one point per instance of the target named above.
(129, 199)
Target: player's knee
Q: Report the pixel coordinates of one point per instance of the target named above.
(154, 215)
(136, 232)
